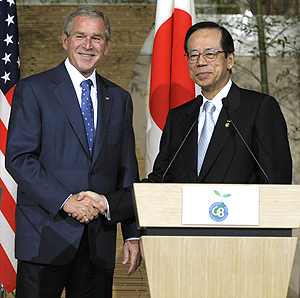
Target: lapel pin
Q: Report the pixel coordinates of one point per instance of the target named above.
(227, 123)
(107, 98)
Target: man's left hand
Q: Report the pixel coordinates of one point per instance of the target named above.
(132, 251)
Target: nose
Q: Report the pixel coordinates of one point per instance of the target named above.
(87, 42)
(201, 60)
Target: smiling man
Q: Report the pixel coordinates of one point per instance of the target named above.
(227, 134)
(71, 131)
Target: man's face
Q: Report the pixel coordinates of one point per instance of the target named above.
(211, 76)
(86, 45)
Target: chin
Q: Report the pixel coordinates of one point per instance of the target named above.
(86, 73)
(203, 84)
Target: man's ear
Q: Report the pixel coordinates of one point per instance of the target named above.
(108, 44)
(230, 60)
(64, 41)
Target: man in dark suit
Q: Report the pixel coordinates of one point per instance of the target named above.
(64, 238)
(236, 114)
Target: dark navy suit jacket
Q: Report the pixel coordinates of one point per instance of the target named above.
(261, 123)
(47, 155)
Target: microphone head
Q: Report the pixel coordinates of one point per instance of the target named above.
(225, 102)
(199, 100)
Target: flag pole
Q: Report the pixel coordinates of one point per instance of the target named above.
(2, 291)
(9, 76)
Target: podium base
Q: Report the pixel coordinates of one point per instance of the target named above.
(218, 267)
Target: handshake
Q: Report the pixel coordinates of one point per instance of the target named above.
(85, 206)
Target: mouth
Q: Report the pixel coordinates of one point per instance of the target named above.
(203, 74)
(86, 55)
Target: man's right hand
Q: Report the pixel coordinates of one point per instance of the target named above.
(82, 208)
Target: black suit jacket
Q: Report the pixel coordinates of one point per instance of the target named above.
(47, 155)
(260, 121)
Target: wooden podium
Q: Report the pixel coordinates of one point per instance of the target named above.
(190, 261)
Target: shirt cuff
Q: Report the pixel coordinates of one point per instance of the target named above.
(107, 213)
(132, 239)
(65, 201)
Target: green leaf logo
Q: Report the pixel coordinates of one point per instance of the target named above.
(217, 193)
(224, 196)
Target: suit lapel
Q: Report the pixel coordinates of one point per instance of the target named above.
(105, 103)
(67, 98)
(221, 132)
(190, 147)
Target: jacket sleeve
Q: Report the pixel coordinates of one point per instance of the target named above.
(23, 150)
(163, 158)
(121, 201)
(271, 145)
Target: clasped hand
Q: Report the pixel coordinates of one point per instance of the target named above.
(85, 206)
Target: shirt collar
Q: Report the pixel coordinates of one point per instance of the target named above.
(76, 76)
(217, 100)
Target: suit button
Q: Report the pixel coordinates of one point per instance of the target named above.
(92, 173)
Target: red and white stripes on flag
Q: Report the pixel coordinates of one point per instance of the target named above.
(170, 84)
(9, 75)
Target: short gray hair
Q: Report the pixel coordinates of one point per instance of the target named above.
(90, 12)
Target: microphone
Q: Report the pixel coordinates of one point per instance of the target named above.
(199, 101)
(225, 102)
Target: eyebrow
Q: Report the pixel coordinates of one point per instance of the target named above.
(195, 50)
(93, 34)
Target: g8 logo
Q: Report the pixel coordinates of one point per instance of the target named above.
(218, 211)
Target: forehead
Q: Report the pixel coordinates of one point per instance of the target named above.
(86, 24)
(205, 38)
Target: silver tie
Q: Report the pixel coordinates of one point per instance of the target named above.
(206, 132)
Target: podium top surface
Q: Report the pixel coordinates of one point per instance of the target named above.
(160, 205)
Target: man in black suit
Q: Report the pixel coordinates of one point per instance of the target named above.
(237, 114)
(55, 150)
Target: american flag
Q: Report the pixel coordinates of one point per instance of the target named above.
(9, 75)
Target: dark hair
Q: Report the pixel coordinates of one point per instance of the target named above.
(226, 39)
(90, 12)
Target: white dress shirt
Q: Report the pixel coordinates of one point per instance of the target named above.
(77, 78)
(217, 101)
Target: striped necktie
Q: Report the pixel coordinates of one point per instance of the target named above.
(206, 132)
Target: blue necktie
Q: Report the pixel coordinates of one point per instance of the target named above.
(206, 132)
(88, 112)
